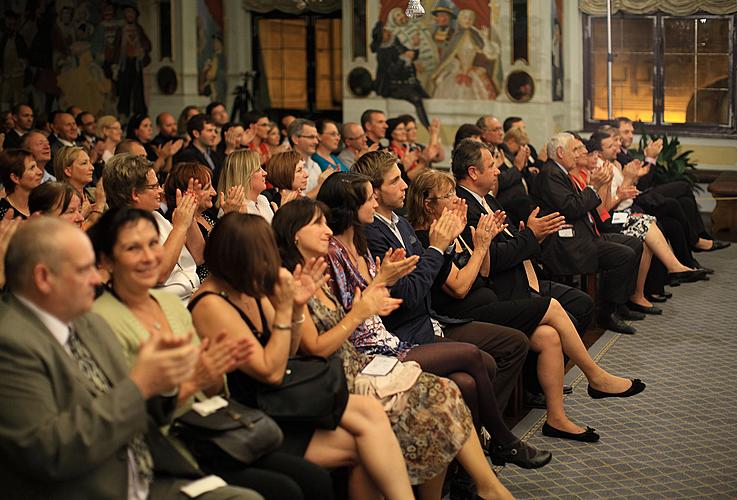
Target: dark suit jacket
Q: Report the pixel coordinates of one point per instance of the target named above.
(192, 154)
(507, 276)
(557, 193)
(411, 322)
(12, 139)
(59, 437)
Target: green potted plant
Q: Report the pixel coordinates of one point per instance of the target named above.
(672, 165)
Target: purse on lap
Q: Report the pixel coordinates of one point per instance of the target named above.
(314, 390)
(232, 436)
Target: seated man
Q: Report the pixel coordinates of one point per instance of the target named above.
(652, 194)
(131, 181)
(580, 248)
(518, 155)
(75, 423)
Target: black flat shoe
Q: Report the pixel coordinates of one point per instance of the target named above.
(715, 245)
(590, 436)
(567, 389)
(520, 454)
(656, 298)
(687, 277)
(645, 310)
(667, 295)
(636, 388)
(533, 400)
(627, 314)
(617, 324)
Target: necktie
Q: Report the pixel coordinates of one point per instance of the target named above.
(142, 458)
(529, 270)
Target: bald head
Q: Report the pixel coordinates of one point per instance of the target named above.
(167, 124)
(51, 263)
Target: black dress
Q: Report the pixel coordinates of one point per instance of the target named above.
(243, 388)
(481, 302)
(5, 206)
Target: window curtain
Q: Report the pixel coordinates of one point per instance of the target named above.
(293, 6)
(672, 7)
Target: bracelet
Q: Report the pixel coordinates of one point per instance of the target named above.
(281, 326)
(300, 320)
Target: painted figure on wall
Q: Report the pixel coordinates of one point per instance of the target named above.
(132, 52)
(454, 50)
(210, 56)
(557, 50)
(470, 63)
(13, 55)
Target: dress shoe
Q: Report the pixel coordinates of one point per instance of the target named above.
(715, 245)
(643, 309)
(697, 265)
(616, 324)
(567, 389)
(520, 454)
(625, 313)
(533, 400)
(589, 436)
(636, 388)
(687, 276)
(655, 297)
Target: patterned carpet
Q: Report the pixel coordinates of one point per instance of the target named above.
(678, 439)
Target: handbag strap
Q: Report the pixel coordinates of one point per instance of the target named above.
(244, 316)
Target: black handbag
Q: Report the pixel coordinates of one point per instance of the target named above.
(314, 390)
(232, 436)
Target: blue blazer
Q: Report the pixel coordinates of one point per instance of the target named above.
(411, 321)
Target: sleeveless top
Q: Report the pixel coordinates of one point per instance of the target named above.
(241, 386)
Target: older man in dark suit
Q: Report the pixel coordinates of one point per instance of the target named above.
(74, 422)
(580, 247)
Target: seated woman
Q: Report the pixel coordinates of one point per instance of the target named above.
(329, 136)
(127, 245)
(617, 196)
(248, 294)
(141, 129)
(463, 290)
(352, 267)
(433, 425)
(72, 165)
(110, 133)
(433, 152)
(197, 178)
(58, 199)
(467, 131)
(231, 137)
(20, 174)
(397, 133)
(131, 181)
(287, 173)
(273, 140)
(243, 179)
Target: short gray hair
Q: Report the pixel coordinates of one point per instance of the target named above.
(295, 128)
(561, 139)
(36, 241)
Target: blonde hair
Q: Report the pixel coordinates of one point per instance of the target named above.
(64, 157)
(518, 135)
(237, 170)
(104, 122)
(421, 190)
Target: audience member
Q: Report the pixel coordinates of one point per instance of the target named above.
(187, 113)
(492, 132)
(329, 138)
(248, 294)
(168, 129)
(110, 133)
(243, 180)
(257, 124)
(286, 172)
(87, 125)
(36, 142)
(20, 174)
(397, 133)
(230, 141)
(141, 129)
(78, 425)
(513, 194)
(136, 311)
(581, 247)
(273, 140)
(373, 122)
(217, 113)
(429, 418)
(72, 165)
(433, 152)
(64, 131)
(354, 140)
(203, 136)
(131, 181)
(285, 122)
(58, 199)
(22, 124)
(467, 131)
(304, 139)
(131, 146)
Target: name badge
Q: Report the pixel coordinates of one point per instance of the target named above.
(620, 217)
(566, 232)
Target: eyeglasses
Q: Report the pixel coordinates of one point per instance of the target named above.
(355, 138)
(448, 196)
(152, 186)
(311, 137)
(332, 134)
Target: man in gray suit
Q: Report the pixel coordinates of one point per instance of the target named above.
(74, 423)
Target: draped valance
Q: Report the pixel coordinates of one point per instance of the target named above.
(672, 7)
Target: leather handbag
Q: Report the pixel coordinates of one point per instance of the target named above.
(233, 435)
(314, 390)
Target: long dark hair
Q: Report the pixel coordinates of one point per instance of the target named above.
(345, 193)
(288, 220)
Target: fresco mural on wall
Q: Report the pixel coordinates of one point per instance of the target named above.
(87, 53)
(557, 49)
(453, 52)
(210, 57)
